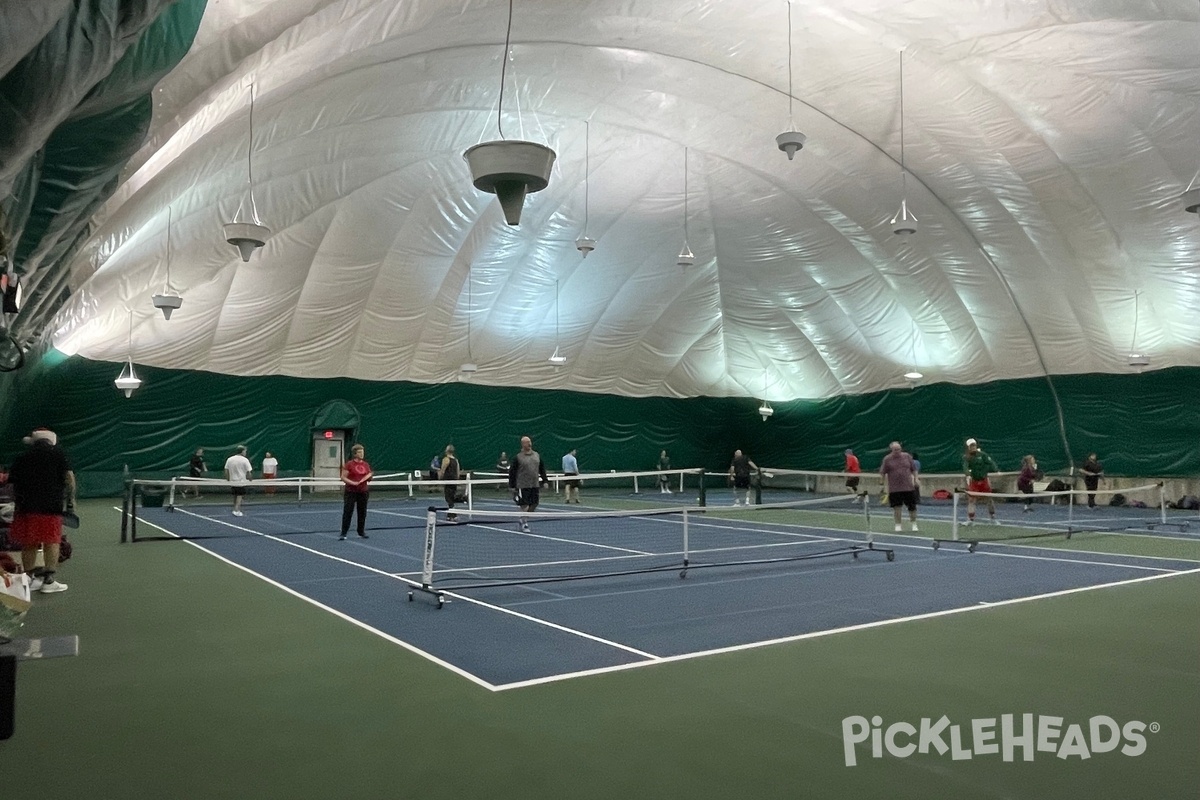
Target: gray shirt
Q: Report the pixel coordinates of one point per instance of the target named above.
(529, 469)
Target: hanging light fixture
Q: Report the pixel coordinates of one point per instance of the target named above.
(248, 236)
(128, 380)
(469, 368)
(556, 358)
(791, 140)
(686, 257)
(168, 301)
(509, 169)
(1137, 359)
(586, 244)
(765, 410)
(1191, 196)
(913, 375)
(904, 224)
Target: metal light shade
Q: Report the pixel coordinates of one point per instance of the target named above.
(510, 170)
(686, 257)
(1191, 200)
(913, 375)
(765, 410)
(127, 381)
(557, 359)
(791, 142)
(585, 244)
(167, 303)
(246, 237)
(904, 223)
(1139, 360)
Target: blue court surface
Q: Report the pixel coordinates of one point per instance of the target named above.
(504, 637)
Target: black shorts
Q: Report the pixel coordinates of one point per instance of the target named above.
(852, 483)
(741, 481)
(907, 499)
(237, 491)
(529, 497)
(571, 484)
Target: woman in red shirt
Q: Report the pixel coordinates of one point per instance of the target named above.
(356, 474)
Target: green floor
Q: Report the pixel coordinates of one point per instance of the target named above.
(198, 680)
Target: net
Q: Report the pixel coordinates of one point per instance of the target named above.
(203, 509)
(491, 547)
(777, 484)
(999, 517)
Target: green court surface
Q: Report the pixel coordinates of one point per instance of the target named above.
(196, 679)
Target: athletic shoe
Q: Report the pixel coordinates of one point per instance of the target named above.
(915, 528)
(52, 587)
(525, 527)
(970, 523)
(669, 491)
(238, 514)
(898, 528)
(342, 538)
(36, 583)
(364, 536)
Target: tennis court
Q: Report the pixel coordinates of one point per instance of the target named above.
(518, 611)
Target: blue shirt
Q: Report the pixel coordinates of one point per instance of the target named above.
(570, 464)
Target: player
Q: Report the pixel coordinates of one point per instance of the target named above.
(852, 466)
(526, 476)
(976, 466)
(739, 474)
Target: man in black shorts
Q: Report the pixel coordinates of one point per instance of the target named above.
(526, 476)
(899, 478)
(739, 473)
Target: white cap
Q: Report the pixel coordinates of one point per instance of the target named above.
(971, 442)
(44, 434)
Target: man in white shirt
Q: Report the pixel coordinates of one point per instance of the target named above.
(237, 472)
(270, 470)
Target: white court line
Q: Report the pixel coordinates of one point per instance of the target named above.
(817, 634)
(399, 577)
(388, 637)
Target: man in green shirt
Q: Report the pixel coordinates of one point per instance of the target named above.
(976, 466)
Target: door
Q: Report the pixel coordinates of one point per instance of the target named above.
(329, 455)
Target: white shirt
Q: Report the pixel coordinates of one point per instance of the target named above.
(238, 468)
(570, 464)
(270, 465)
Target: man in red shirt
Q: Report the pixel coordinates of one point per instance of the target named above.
(852, 466)
(356, 474)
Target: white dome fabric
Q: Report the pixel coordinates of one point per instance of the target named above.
(1047, 145)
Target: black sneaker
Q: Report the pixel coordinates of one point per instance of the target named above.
(363, 535)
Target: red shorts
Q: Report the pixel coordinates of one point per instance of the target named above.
(30, 530)
(980, 486)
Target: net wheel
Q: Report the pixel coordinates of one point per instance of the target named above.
(682, 574)
(854, 555)
(936, 544)
(971, 547)
(441, 601)
(891, 556)
(410, 597)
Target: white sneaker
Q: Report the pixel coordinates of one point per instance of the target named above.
(737, 502)
(898, 527)
(36, 583)
(669, 491)
(238, 514)
(915, 528)
(525, 527)
(52, 587)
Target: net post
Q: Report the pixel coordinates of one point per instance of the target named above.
(635, 484)
(300, 490)
(758, 489)
(685, 540)
(125, 506)
(133, 498)
(1071, 509)
(171, 495)
(866, 497)
(703, 500)
(430, 534)
(1162, 502)
(681, 482)
(408, 480)
(470, 491)
(954, 517)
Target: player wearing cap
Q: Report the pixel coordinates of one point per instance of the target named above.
(42, 480)
(976, 466)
